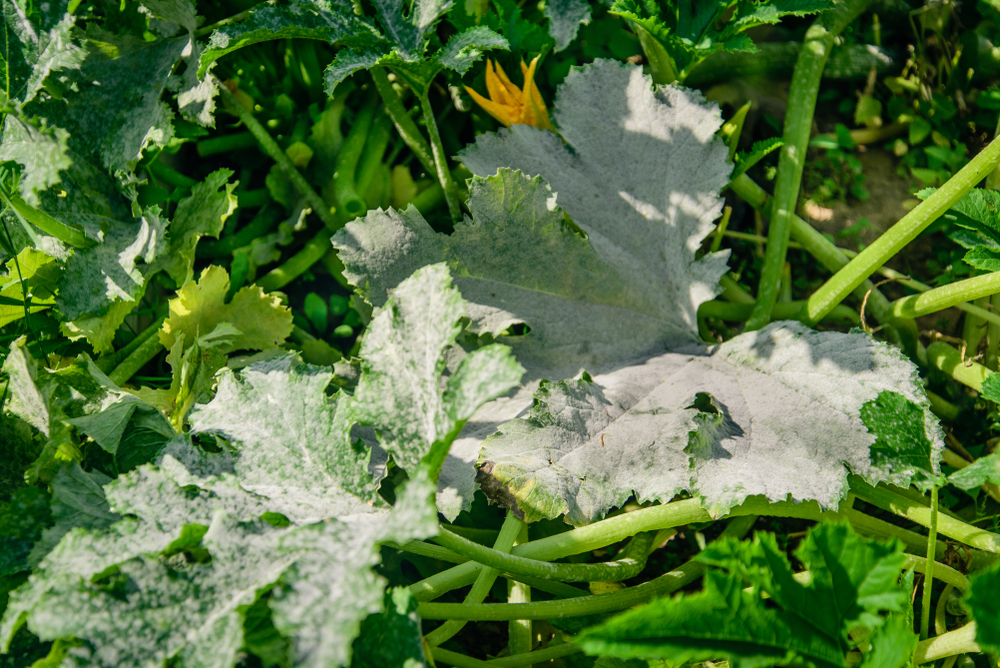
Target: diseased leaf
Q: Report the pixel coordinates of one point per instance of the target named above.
(465, 48)
(202, 213)
(857, 577)
(36, 46)
(295, 440)
(114, 270)
(403, 354)
(565, 17)
(42, 152)
(641, 184)
(77, 501)
(783, 412)
(327, 20)
(985, 470)
(199, 308)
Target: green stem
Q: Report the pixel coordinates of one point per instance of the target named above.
(69, 235)
(802, 96)
(959, 641)
(946, 296)
(925, 601)
(612, 530)
(519, 636)
(993, 336)
(298, 264)
(942, 356)
(661, 65)
(139, 358)
(547, 654)
(923, 515)
(440, 159)
(344, 185)
(285, 164)
(627, 567)
(484, 582)
(378, 141)
(266, 220)
(225, 144)
(584, 605)
(821, 248)
(405, 125)
(109, 362)
(444, 554)
(171, 176)
(942, 572)
(429, 199)
(900, 234)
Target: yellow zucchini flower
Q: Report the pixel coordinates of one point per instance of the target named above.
(509, 105)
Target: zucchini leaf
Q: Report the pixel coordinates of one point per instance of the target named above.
(983, 603)
(853, 585)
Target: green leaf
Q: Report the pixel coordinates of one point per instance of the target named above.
(787, 419)
(978, 210)
(328, 20)
(565, 17)
(22, 521)
(41, 151)
(409, 33)
(391, 637)
(984, 604)
(901, 430)
(200, 307)
(78, 399)
(980, 472)
(34, 273)
(758, 152)
(857, 577)
(202, 213)
(401, 393)
(467, 47)
(632, 285)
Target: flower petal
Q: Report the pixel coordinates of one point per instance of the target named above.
(500, 112)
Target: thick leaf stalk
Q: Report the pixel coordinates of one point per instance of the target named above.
(798, 125)
(405, 125)
(899, 235)
(441, 159)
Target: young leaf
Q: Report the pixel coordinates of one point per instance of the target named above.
(762, 412)
(202, 213)
(199, 308)
(758, 152)
(857, 579)
(640, 180)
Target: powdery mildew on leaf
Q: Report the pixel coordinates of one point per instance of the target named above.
(401, 391)
(779, 415)
(639, 173)
(565, 17)
(641, 181)
(293, 441)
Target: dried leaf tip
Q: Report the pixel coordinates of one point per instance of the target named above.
(511, 105)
